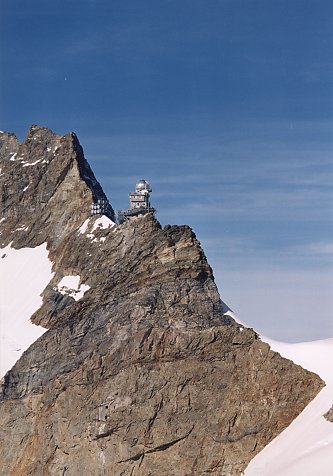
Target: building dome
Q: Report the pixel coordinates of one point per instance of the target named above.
(143, 186)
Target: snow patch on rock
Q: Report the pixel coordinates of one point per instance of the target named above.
(89, 227)
(83, 227)
(70, 286)
(13, 155)
(102, 222)
(28, 164)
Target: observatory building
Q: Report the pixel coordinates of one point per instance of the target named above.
(139, 201)
(139, 204)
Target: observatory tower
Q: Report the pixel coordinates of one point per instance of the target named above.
(139, 201)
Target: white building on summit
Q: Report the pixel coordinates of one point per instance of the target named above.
(139, 201)
(140, 198)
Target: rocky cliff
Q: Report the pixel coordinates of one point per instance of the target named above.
(146, 374)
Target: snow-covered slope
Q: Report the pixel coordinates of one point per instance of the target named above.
(24, 273)
(305, 448)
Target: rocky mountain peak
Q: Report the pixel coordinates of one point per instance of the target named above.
(8, 143)
(47, 187)
(143, 370)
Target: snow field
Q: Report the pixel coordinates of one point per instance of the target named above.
(24, 274)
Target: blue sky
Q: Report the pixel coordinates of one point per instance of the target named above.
(224, 105)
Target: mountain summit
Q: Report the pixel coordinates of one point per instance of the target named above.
(140, 368)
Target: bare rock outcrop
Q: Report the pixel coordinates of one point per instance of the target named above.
(329, 415)
(146, 374)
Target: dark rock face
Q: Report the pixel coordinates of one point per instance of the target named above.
(145, 374)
